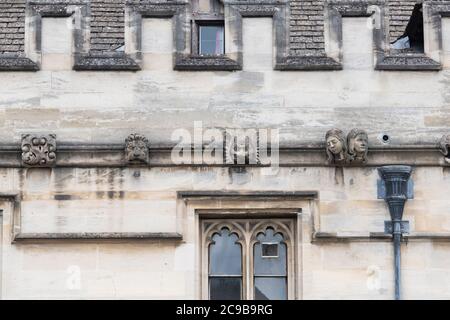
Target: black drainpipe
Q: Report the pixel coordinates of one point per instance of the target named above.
(396, 182)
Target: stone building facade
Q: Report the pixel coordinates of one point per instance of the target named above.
(112, 119)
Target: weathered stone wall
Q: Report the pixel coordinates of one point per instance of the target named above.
(93, 107)
(105, 107)
(111, 199)
(107, 25)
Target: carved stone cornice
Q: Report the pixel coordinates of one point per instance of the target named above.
(112, 155)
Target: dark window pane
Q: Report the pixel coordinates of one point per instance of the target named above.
(270, 289)
(225, 257)
(225, 288)
(270, 250)
(211, 40)
(264, 265)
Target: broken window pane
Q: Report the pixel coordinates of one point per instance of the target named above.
(270, 250)
(412, 39)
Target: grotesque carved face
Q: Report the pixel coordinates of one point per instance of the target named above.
(136, 148)
(444, 145)
(360, 143)
(239, 150)
(334, 145)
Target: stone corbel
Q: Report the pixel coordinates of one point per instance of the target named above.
(241, 147)
(350, 150)
(136, 149)
(444, 145)
(38, 150)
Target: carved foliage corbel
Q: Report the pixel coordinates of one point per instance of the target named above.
(39, 150)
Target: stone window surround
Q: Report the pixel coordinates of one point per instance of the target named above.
(247, 239)
(335, 10)
(196, 27)
(234, 10)
(178, 11)
(197, 206)
(79, 10)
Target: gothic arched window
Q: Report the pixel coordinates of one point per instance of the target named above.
(248, 259)
(270, 266)
(225, 266)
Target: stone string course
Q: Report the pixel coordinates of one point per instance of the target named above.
(107, 25)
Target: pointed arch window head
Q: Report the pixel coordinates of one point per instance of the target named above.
(225, 266)
(270, 266)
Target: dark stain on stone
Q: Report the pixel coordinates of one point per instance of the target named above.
(21, 178)
(339, 175)
(115, 194)
(62, 176)
(446, 172)
(239, 175)
(100, 194)
(62, 197)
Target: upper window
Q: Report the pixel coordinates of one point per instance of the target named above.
(412, 39)
(208, 32)
(248, 258)
(211, 39)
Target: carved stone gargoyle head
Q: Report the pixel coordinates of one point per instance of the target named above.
(358, 145)
(136, 149)
(39, 150)
(241, 150)
(336, 146)
(444, 147)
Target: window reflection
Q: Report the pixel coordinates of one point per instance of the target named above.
(270, 266)
(225, 266)
(211, 40)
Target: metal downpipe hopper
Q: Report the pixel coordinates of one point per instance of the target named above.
(396, 180)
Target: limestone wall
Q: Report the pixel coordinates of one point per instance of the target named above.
(412, 107)
(117, 200)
